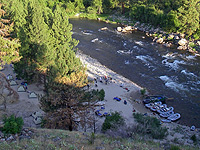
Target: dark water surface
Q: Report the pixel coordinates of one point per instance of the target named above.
(163, 71)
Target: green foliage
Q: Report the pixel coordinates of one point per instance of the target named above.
(150, 125)
(143, 91)
(101, 94)
(9, 46)
(12, 124)
(92, 138)
(112, 122)
(174, 147)
(194, 138)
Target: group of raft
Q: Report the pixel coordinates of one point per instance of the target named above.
(157, 104)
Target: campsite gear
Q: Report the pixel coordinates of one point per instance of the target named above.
(9, 77)
(37, 120)
(125, 102)
(36, 114)
(32, 95)
(21, 89)
(117, 98)
(13, 83)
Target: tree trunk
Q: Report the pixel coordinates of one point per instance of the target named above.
(123, 9)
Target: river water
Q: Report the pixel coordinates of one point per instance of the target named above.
(163, 71)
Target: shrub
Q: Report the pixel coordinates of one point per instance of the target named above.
(194, 138)
(143, 91)
(149, 125)
(12, 124)
(101, 94)
(113, 121)
(174, 147)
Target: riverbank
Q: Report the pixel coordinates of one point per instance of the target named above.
(170, 40)
(178, 133)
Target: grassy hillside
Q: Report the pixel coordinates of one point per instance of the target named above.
(45, 139)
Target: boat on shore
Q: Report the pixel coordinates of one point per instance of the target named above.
(174, 117)
(166, 114)
(154, 98)
(165, 110)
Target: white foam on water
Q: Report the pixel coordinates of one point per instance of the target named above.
(191, 57)
(98, 49)
(127, 52)
(94, 40)
(145, 59)
(87, 32)
(188, 73)
(139, 43)
(175, 65)
(126, 62)
(172, 84)
(135, 47)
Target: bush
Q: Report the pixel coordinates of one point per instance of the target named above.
(113, 121)
(143, 91)
(12, 124)
(101, 94)
(194, 138)
(174, 147)
(149, 125)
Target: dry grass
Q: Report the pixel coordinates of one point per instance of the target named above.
(46, 139)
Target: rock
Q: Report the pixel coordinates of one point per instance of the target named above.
(198, 43)
(128, 28)
(160, 40)
(182, 35)
(182, 42)
(119, 29)
(167, 44)
(170, 36)
(10, 138)
(176, 37)
(104, 28)
(182, 47)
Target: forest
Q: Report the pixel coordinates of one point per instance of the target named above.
(35, 35)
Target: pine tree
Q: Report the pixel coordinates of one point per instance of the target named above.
(63, 107)
(68, 68)
(37, 50)
(9, 47)
(188, 17)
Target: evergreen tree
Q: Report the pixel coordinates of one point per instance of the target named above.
(36, 43)
(97, 4)
(63, 107)
(68, 68)
(188, 17)
(9, 47)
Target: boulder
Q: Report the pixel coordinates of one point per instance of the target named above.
(182, 47)
(160, 40)
(119, 29)
(176, 37)
(128, 28)
(171, 36)
(198, 43)
(182, 42)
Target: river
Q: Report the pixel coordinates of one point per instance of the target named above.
(161, 70)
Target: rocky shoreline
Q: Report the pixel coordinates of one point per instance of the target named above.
(175, 40)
